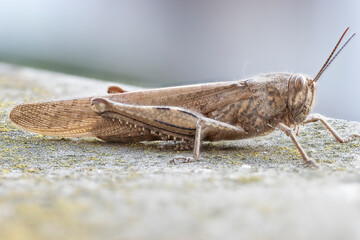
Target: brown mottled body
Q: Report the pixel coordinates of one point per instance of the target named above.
(206, 112)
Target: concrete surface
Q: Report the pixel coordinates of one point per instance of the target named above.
(55, 188)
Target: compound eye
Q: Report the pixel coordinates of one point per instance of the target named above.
(300, 82)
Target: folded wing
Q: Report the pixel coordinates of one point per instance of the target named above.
(75, 118)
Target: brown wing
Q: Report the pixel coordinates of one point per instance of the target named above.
(75, 118)
(70, 118)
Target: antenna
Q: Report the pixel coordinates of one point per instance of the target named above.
(330, 58)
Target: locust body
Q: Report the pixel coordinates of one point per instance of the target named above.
(206, 112)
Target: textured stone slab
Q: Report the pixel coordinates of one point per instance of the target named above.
(54, 188)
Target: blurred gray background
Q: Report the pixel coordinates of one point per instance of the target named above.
(162, 43)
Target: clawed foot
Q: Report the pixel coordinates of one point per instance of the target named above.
(310, 164)
(182, 159)
(350, 138)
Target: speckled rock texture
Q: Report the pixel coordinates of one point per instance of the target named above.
(61, 188)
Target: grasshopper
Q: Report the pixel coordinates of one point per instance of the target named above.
(187, 114)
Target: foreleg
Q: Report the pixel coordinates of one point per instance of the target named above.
(338, 138)
(289, 132)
